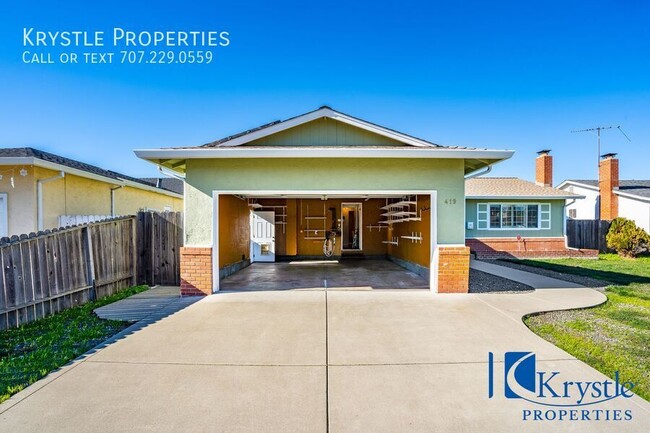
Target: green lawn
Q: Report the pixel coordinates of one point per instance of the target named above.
(32, 351)
(610, 337)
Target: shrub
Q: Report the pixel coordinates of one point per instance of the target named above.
(626, 238)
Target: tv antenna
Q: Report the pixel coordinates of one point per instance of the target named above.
(598, 129)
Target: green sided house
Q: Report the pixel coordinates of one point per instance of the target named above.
(324, 182)
(511, 217)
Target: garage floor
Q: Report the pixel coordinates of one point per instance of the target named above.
(345, 274)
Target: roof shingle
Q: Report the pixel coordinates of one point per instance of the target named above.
(511, 187)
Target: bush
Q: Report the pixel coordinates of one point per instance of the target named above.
(626, 238)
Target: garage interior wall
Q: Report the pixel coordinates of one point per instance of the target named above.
(413, 251)
(293, 240)
(234, 230)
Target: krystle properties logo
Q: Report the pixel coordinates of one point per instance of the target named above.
(563, 399)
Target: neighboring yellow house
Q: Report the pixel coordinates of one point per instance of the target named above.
(40, 190)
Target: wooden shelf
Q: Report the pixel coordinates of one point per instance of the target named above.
(315, 218)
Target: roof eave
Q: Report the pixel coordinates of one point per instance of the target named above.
(579, 184)
(524, 197)
(161, 156)
(632, 196)
(37, 162)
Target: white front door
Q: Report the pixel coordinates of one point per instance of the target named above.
(263, 236)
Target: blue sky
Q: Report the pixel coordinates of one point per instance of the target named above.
(512, 75)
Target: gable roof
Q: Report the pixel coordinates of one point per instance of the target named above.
(633, 188)
(250, 144)
(513, 188)
(321, 113)
(39, 158)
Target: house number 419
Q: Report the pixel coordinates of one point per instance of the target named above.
(450, 201)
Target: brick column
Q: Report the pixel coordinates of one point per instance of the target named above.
(196, 271)
(453, 269)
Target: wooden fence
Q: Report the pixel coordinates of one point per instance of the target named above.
(587, 234)
(54, 270)
(160, 238)
(57, 269)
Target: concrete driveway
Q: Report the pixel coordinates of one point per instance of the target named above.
(315, 361)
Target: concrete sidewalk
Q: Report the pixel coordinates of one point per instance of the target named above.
(535, 281)
(315, 361)
(159, 301)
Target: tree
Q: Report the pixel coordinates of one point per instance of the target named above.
(626, 238)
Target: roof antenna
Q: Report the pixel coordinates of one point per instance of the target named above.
(598, 129)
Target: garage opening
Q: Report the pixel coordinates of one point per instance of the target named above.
(288, 241)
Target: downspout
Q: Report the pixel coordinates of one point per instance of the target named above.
(39, 197)
(566, 238)
(113, 198)
(480, 173)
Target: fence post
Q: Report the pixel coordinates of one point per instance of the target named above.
(134, 249)
(90, 262)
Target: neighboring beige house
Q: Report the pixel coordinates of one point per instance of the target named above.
(40, 190)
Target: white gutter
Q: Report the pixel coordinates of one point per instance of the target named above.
(39, 196)
(480, 173)
(113, 198)
(320, 152)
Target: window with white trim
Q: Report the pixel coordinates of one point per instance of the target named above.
(509, 216)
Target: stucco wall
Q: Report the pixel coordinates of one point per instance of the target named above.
(71, 195)
(302, 174)
(586, 208)
(635, 210)
(21, 199)
(129, 200)
(557, 221)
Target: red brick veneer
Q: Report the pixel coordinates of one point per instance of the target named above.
(453, 269)
(492, 248)
(196, 271)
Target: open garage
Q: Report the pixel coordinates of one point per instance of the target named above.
(324, 186)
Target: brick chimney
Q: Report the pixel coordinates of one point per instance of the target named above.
(544, 168)
(608, 182)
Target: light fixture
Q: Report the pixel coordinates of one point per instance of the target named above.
(0, 177)
(23, 172)
(12, 182)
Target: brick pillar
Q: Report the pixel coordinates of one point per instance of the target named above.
(196, 271)
(453, 269)
(544, 168)
(607, 182)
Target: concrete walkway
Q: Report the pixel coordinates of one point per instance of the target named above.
(316, 361)
(528, 278)
(159, 301)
